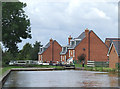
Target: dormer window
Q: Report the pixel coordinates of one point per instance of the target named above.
(77, 42)
(72, 43)
(41, 49)
(64, 48)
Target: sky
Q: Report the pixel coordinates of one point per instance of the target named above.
(57, 19)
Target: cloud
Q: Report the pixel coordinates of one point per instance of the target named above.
(59, 18)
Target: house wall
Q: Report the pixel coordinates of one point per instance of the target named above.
(47, 54)
(79, 49)
(95, 49)
(52, 53)
(98, 50)
(113, 57)
(56, 51)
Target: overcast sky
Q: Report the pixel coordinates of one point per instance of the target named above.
(58, 19)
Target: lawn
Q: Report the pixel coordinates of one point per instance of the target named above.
(101, 69)
(4, 69)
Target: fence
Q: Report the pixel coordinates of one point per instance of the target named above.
(97, 64)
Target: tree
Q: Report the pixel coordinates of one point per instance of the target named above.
(81, 58)
(15, 25)
(35, 51)
(7, 57)
(26, 52)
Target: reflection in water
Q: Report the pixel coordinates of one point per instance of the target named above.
(65, 78)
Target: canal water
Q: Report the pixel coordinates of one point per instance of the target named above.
(62, 78)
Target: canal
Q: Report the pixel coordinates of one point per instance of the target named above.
(61, 78)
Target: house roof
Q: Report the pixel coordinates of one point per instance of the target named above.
(63, 52)
(78, 39)
(112, 39)
(45, 47)
(117, 47)
(81, 36)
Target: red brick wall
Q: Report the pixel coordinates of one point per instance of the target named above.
(52, 53)
(56, 51)
(98, 50)
(47, 54)
(79, 49)
(113, 57)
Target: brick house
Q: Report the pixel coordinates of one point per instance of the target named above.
(87, 43)
(50, 52)
(108, 41)
(114, 51)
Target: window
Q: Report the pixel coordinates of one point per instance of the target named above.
(40, 49)
(77, 42)
(73, 53)
(84, 49)
(63, 48)
(61, 58)
(69, 53)
(72, 42)
(65, 57)
(41, 57)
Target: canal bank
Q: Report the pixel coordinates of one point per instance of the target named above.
(6, 74)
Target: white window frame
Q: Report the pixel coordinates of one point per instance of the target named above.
(41, 57)
(61, 58)
(65, 58)
(73, 53)
(69, 53)
(62, 49)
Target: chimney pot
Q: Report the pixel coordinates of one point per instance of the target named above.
(69, 38)
(51, 40)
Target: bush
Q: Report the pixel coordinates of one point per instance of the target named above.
(117, 65)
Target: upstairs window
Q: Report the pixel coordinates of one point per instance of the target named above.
(40, 49)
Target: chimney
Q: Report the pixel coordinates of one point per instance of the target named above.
(86, 32)
(87, 44)
(69, 38)
(51, 47)
(51, 40)
(107, 42)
